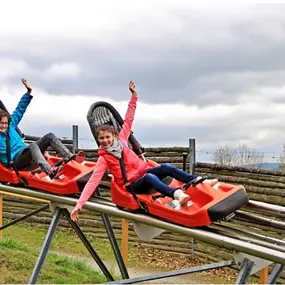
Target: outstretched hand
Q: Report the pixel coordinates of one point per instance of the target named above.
(132, 87)
(74, 214)
(29, 89)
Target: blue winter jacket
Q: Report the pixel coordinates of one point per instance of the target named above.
(16, 142)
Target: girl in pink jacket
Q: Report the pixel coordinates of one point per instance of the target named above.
(113, 146)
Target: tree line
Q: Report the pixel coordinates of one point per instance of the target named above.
(239, 156)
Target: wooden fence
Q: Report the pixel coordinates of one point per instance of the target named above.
(261, 185)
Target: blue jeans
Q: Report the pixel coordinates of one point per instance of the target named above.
(154, 176)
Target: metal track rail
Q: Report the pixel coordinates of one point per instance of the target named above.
(228, 231)
(252, 234)
(251, 237)
(264, 252)
(265, 206)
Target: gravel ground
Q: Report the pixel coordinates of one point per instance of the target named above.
(158, 262)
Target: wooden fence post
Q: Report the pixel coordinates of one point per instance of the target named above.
(1, 213)
(263, 275)
(74, 138)
(125, 240)
(192, 155)
(192, 161)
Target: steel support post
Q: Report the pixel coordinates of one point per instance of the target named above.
(89, 246)
(24, 217)
(244, 272)
(114, 244)
(275, 273)
(173, 273)
(47, 242)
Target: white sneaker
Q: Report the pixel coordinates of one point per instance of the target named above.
(211, 182)
(181, 197)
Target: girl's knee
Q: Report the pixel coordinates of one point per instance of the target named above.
(33, 146)
(50, 135)
(149, 177)
(167, 166)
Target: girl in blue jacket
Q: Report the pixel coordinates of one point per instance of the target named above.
(27, 157)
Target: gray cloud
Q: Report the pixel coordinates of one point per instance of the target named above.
(176, 55)
(211, 58)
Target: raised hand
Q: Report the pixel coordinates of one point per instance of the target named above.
(132, 87)
(29, 89)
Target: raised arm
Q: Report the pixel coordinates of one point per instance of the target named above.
(130, 114)
(18, 114)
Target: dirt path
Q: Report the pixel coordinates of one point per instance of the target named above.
(138, 272)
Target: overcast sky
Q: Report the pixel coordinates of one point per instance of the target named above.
(209, 70)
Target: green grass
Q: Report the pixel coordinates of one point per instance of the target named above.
(66, 241)
(17, 261)
(26, 240)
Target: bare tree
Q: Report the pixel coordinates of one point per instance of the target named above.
(247, 156)
(242, 155)
(224, 155)
(282, 159)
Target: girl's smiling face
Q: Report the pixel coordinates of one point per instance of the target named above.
(105, 139)
(4, 124)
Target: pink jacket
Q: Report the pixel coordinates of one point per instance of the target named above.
(135, 167)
